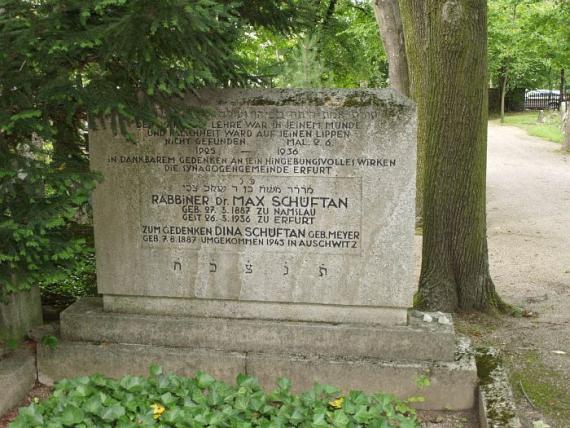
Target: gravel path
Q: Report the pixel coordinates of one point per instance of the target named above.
(528, 222)
(528, 209)
(528, 206)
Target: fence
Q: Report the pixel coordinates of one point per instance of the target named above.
(535, 100)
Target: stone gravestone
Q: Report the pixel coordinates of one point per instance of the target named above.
(278, 207)
(277, 241)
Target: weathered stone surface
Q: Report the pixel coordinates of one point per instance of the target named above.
(419, 341)
(260, 310)
(497, 408)
(451, 385)
(22, 311)
(17, 377)
(39, 332)
(71, 359)
(212, 214)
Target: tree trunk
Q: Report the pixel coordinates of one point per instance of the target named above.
(566, 145)
(562, 88)
(408, 25)
(455, 269)
(387, 14)
(504, 80)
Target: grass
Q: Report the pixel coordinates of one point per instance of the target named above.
(542, 386)
(550, 130)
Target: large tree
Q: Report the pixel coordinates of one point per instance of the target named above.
(446, 50)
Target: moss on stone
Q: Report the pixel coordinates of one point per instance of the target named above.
(487, 362)
(499, 406)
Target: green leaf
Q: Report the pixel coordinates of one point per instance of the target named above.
(284, 384)
(93, 405)
(204, 380)
(132, 383)
(72, 416)
(362, 416)
(340, 419)
(319, 420)
(31, 415)
(111, 414)
(155, 370)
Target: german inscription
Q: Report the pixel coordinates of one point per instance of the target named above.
(263, 193)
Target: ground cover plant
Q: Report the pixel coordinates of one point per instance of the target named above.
(168, 400)
(550, 130)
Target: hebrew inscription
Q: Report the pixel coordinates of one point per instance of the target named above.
(267, 202)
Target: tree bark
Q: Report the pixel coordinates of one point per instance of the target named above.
(387, 13)
(455, 269)
(414, 23)
(566, 145)
(504, 80)
(562, 88)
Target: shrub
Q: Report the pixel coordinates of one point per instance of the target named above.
(201, 401)
(79, 280)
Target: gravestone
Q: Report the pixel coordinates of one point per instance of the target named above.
(278, 206)
(277, 240)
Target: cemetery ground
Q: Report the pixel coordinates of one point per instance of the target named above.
(529, 240)
(528, 209)
(549, 130)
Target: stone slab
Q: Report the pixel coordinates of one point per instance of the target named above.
(497, 408)
(256, 310)
(71, 359)
(17, 377)
(419, 341)
(452, 385)
(22, 311)
(215, 213)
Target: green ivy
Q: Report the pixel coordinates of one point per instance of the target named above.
(172, 401)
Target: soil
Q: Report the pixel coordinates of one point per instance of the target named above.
(38, 393)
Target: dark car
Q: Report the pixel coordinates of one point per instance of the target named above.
(542, 99)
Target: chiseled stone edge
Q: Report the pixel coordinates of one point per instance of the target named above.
(497, 407)
(239, 309)
(17, 377)
(419, 341)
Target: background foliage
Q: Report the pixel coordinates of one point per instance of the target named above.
(529, 40)
(64, 63)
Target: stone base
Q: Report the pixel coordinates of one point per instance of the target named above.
(371, 358)
(452, 385)
(255, 310)
(85, 321)
(17, 377)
